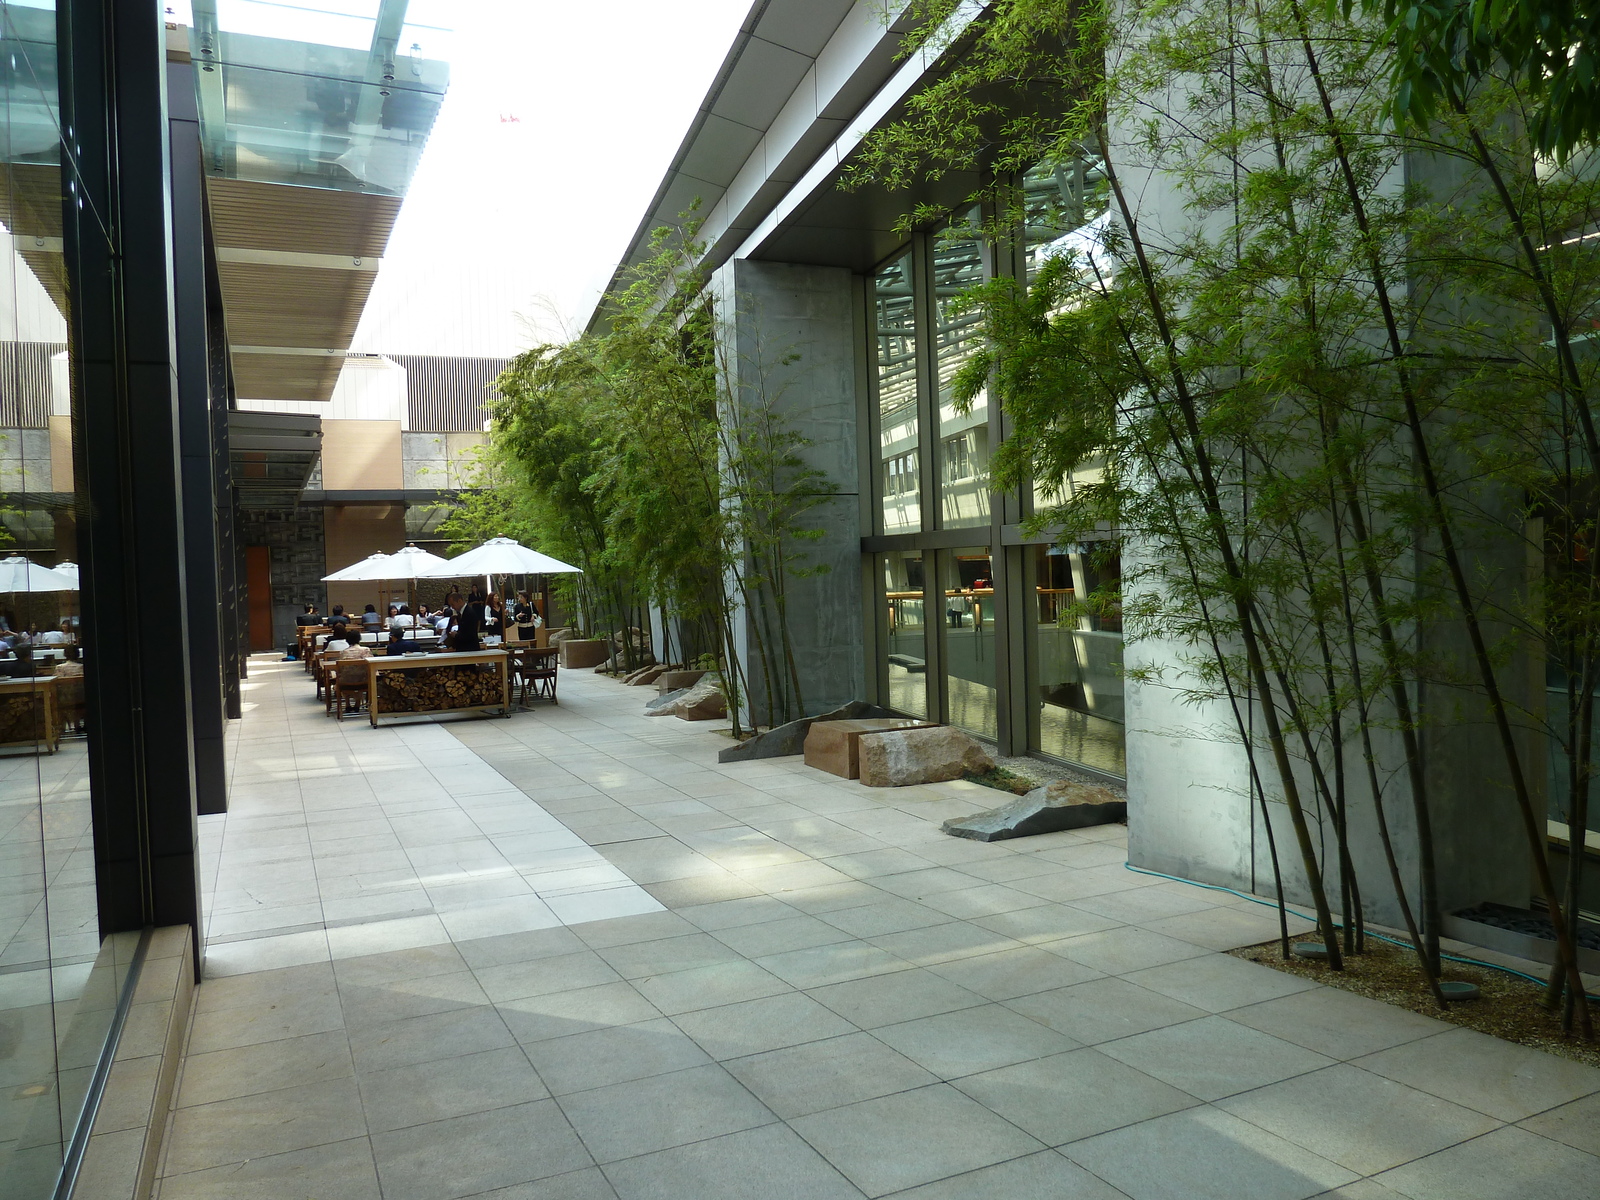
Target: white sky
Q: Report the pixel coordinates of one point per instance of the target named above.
(511, 229)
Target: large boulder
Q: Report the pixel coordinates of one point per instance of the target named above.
(906, 756)
(665, 705)
(704, 701)
(835, 746)
(1049, 809)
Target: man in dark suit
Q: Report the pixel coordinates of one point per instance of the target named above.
(399, 643)
(309, 617)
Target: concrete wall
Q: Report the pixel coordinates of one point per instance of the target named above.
(789, 332)
(439, 460)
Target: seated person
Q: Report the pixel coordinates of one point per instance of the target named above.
(72, 667)
(353, 649)
(55, 637)
(309, 617)
(370, 620)
(399, 643)
(336, 619)
(21, 666)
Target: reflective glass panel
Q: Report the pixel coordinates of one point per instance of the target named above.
(963, 436)
(905, 632)
(340, 94)
(966, 579)
(895, 332)
(1076, 644)
(1065, 208)
(57, 990)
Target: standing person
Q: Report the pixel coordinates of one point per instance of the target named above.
(527, 619)
(469, 623)
(448, 616)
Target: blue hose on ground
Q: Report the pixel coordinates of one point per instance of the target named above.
(1213, 887)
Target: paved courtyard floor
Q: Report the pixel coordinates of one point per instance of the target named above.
(569, 956)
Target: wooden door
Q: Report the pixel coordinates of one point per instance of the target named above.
(258, 589)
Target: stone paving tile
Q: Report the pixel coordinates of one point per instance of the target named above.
(572, 956)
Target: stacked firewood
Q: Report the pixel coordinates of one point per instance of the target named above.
(424, 689)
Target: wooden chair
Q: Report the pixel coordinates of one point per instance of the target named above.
(541, 673)
(325, 669)
(350, 686)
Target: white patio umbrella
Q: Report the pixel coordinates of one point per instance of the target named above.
(17, 574)
(503, 556)
(372, 567)
(70, 570)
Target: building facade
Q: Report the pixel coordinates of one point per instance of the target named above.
(938, 601)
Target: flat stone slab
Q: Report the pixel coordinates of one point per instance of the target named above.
(835, 746)
(1049, 809)
(784, 740)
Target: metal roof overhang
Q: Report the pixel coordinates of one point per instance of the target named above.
(308, 152)
(804, 80)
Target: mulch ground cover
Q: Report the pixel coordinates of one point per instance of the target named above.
(1509, 1007)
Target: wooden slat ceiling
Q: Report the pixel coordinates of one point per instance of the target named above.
(269, 305)
(275, 216)
(30, 206)
(286, 376)
(293, 306)
(297, 306)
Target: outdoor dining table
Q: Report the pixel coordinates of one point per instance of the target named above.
(28, 712)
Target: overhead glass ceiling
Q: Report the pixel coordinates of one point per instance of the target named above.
(338, 94)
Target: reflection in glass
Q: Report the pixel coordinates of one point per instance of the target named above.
(1076, 673)
(895, 332)
(966, 580)
(349, 107)
(963, 437)
(57, 991)
(1065, 207)
(906, 632)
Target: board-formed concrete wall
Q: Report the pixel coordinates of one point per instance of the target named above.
(789, 331)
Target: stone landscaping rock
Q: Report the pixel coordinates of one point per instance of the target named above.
(666, 704)
(835, 746)
(1049, 809)
(789, 739)
(704, 701)
(672, 680)
(909, 756)
(646, 675)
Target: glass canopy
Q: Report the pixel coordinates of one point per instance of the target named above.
(346, 102)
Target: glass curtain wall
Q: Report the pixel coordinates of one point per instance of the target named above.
(895, 334)
(971, 602)
(56, 1001)
(963, 436)
(905, 631)
(1076, 668)
(1059, 653)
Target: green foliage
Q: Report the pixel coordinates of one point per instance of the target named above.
(1331, 381)
(627, 449)
(1445, 50)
